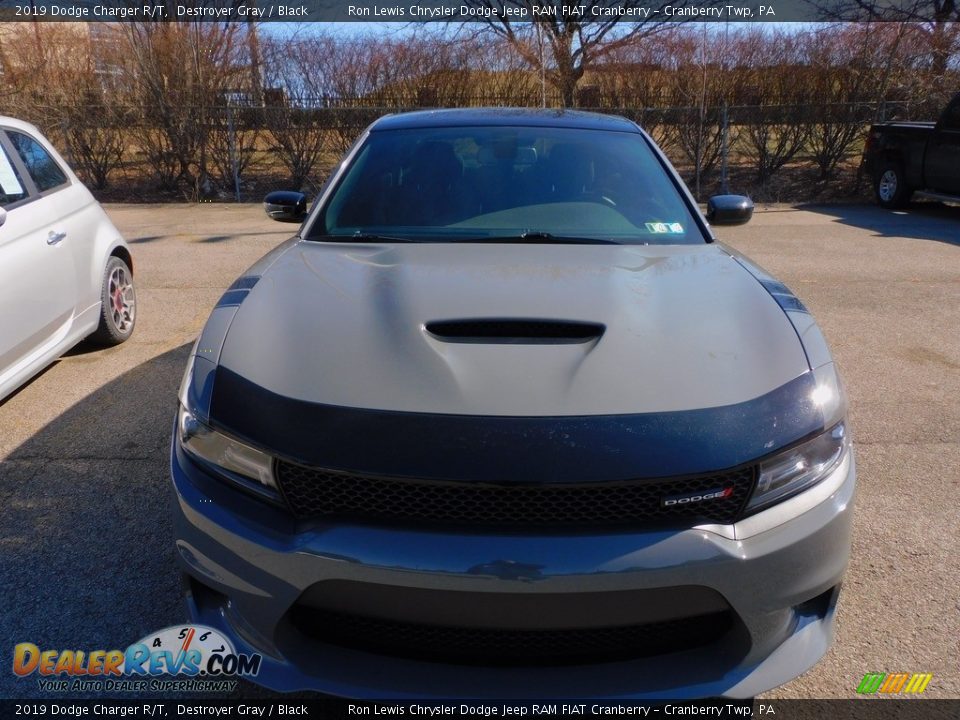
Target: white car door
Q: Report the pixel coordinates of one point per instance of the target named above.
(38, 286)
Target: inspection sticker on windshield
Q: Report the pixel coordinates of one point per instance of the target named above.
(661, 228)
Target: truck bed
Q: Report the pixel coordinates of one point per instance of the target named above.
(905, 125)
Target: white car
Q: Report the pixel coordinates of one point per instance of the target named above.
(66, 273)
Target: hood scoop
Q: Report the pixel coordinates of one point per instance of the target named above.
(515, 331)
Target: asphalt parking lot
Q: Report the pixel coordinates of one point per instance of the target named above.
(86, 552)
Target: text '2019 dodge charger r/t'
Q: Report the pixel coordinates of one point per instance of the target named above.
(503, 419)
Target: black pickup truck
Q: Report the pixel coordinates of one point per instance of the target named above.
(915, 158)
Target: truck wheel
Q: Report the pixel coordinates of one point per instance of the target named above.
(890, 186)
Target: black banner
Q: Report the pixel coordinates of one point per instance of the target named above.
(458, 11)
(873, 708)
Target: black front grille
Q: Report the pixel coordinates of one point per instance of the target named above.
(317, 493)
(493, 646)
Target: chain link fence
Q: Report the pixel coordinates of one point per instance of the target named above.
(238, 152)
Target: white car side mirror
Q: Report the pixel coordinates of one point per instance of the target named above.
(3, 216)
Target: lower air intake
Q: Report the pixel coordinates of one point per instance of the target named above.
(496, 647)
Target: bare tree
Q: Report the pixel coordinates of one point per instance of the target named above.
(233, 141)
(936, 18)
(181, 72)
(97, 150)
(575, 42)
(57, 82)
(298, 139)
(841, 76)
(776, 129)
(696, 125)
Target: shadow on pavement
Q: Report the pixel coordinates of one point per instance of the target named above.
(284, 233)
(24, 385)
(86, 552)
(921, 221)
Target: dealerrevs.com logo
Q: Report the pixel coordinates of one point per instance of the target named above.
(177, 658)
(894, 683)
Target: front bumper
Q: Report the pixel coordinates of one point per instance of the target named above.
(249, 565)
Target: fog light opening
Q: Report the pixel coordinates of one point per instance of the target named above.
(821, 605)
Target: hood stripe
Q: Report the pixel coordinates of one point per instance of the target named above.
(783, 295)
(238, 291)
(578, 449)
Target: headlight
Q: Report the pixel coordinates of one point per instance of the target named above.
(212, 448)
(828, 394)
(799, 468)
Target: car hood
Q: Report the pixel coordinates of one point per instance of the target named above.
(680, 327)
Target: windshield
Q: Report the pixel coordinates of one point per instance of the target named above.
(506, 184)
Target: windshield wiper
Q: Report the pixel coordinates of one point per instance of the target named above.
(360, 237)
(531, 236)
(537, 236)
(374, 237)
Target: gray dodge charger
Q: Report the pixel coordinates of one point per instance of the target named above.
(503, 419)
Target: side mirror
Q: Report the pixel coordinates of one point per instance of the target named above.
(286, 206)
(729, 209)
(3, 216)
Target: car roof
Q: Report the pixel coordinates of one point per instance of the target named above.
(15, 124)
(523, 117)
